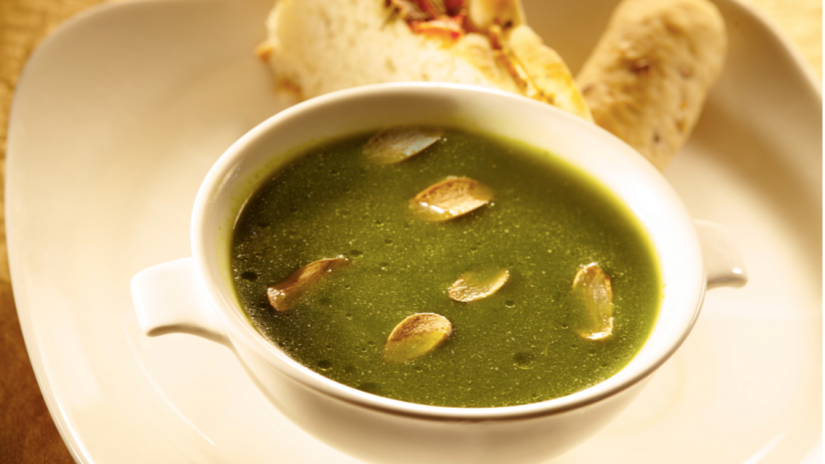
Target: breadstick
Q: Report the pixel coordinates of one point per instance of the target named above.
(649, 75)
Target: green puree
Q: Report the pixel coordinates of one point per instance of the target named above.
(516, 346)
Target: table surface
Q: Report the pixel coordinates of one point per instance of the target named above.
(27, 433)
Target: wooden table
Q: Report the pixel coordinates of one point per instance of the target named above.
(27, 433)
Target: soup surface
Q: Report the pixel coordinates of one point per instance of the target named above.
(545, 222)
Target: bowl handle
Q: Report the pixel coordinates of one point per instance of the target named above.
(169, 298)
(723, 262)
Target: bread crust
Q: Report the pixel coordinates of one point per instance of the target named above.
(548, 71)
(485, 13)
(649, 75)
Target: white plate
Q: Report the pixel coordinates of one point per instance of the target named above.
(121, 112)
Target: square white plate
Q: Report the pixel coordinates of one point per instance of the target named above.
(120, 113)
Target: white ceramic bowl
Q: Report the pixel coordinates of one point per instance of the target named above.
(195, 295)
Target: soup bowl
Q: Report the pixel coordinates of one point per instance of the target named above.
(196, 295)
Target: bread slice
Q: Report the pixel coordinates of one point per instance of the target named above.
(320, 46)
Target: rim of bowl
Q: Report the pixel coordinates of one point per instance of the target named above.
(241, 330)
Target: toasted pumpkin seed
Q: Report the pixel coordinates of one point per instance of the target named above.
(283, 294)
(593, 295)
(416, 336)
(395, 144)
(475, 285)
(451, 198)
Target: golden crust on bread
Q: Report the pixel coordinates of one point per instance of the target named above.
(476, 49)
(548, 71)
(485, 13)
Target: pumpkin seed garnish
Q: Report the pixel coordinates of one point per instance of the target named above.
(593, 295)
(451, 198)
(284, 294)
(475, 285)
(395, 144)
(416, 336)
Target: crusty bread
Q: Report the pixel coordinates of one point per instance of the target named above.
(327, 45)
(548, 71)
(649, 75)
(319, 46)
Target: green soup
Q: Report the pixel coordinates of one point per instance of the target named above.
(545, 222)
